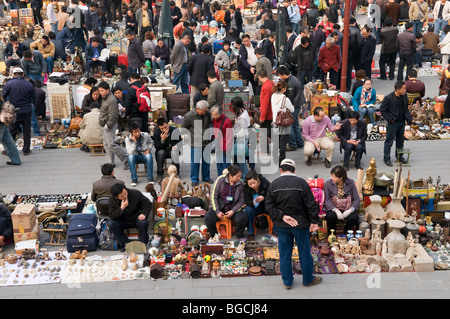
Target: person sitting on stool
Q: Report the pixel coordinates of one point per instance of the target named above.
(341, 199)
(92, 53)
(139, 148)
(353, 135)
(102, 187)
(227, 202)
(166, 146)
(128, 208)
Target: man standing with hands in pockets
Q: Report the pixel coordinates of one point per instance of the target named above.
(294, 211)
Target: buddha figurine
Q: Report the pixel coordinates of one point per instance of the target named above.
(369, 183)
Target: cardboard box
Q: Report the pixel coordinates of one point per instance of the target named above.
(24, 218)
(34, 234)
(21, 246)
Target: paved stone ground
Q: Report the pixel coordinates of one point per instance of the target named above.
(72, 171)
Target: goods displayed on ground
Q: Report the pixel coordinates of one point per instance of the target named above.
(403, 227)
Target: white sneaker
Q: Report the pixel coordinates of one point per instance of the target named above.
(134, 183)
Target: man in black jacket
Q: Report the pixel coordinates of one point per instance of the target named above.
(13, 52)
(128, 208)
(388, 54)
(175, 13)
(394, 110)
(352, 136)
(304, 55)
(131, 103)
(295, 94)
(166, 146)
(233, 20)
(198, 67)
(294, 211)
(368, 46)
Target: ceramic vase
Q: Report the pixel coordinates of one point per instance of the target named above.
(395, 234)
(363, 226)
(332, 237)
(395, 205)
(375, 210)
(350, 234)
(378, 221)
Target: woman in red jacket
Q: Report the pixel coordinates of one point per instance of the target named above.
(265, 107)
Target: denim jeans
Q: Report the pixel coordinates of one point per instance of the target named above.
(348, 149)
(370, 113)
(161, 64)
(55, 28)
(197, 158)
(49, 62)
(222, 161)
(296, 139)
(36, 77)
(9, 145)
(34, 123)
(417, 26)
(252, 212)
(286, 237)
(295, 27)
(305, 77)
(439, 25)
(394, 131)
(140, 158)
(182, 79)
(134, 70)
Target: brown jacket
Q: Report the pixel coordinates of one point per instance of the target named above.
(431, 41)
(102, 187)
(393, 11)
(48, 51)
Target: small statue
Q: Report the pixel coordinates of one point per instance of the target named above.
(371, 172)
(177, 187)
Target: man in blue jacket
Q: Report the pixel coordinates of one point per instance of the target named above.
(92, 53)
(21, 93)
(13, 52)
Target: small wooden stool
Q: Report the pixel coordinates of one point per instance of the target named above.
(228, 224)
(316, 157)
(269, 221)
(97, 150)
(400, 152)
(138, 172)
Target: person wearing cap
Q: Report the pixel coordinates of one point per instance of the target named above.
(13, 52)
(341, 199)
(33, 65)
(22, 94)
(294, 211)
(198, 68)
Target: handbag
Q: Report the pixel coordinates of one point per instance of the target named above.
(284, 117)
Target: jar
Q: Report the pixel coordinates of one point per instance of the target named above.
(350, 234)
(358, 234)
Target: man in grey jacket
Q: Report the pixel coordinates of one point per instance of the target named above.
(197, 121)
(136, 57)
(179, 60)
(33, 65)
(109, 113)
(139, 148)
(407, 47)
(216, 90)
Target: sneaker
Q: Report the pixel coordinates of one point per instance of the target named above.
(134, 183)
(316, 280)
(309, 161)
(388, 162)
(327, 163)
(150, 181)
(194, 184)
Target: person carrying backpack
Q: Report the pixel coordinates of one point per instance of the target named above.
(137, 103)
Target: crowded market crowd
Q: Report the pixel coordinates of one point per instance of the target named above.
(314, 42)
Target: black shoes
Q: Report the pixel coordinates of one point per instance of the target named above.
(402, 160)
(388, 162)
(11, 163)
(309, 161)
(327, 163)
(209, 181)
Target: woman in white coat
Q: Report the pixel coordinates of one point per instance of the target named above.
(279, 101)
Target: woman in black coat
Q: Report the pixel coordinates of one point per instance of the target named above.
(255, 189)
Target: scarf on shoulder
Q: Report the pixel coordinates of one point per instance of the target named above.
(365, 98)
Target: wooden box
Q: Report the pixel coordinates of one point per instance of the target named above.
(34, 234)
(24, 218)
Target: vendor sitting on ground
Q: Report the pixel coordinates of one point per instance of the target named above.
(89, 99)
(6, 228)
(90, 130)
(128, 208)
(227, 202)
(341, 199)
(102, 187)
(139, 148)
